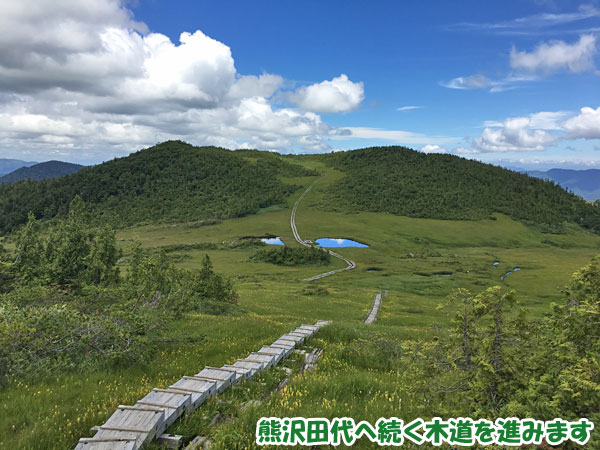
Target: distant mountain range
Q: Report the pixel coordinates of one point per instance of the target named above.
(585, 183)
(9, 165)
(40, 171)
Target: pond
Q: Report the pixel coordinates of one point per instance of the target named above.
(273, 241)
(516, 269)
(331, 242)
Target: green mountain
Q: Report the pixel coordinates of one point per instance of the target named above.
(175, 181)
(585, 183)
(41, 171)
(401, 181)
(172, 181)
(9, 165)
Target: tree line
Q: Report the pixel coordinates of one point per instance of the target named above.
(172, 181)
(402, 181)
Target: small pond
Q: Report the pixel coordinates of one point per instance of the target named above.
(330, 242)
(273, 241)
(516, 269)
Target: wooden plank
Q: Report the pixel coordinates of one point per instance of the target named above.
(266, 359)
(138, 408)
(167, 391)
(217, 374)
(139, 423)
(236, 377)
(117, 428)
(303, 332)
(245, 372)
(139, 439)
(199, 390)
(170, 440)
(291, 337)
(173, 402)
(106, 444)
(257, 365)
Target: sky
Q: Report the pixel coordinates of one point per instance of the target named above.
(513, 82)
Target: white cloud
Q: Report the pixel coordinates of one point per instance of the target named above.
(338, 95)
(82, 77)
(514, 135)
(530, 24)
(395, 136)
(264, 85)
(534, 132)
(477, 81)
(408, 108)
(585, 125)
(465, 151)
(557, 55)
(429, 148)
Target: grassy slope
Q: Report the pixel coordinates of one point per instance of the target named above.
(354, 377)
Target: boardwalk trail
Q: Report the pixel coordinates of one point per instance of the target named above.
(374, 309)
(350, 264)
(131, 427)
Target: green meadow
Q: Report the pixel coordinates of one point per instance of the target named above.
(417, 261)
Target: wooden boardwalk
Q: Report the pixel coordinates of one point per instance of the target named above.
(130, 427)
(374, 309)
(350, 264)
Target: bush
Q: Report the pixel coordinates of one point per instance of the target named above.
(293, 256)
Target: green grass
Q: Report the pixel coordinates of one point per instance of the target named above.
(356, 376)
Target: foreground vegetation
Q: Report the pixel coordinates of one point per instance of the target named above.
(65, 306)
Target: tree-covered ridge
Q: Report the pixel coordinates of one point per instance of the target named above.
(170, 181)
(401, 181)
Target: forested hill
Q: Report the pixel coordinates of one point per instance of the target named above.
(41, 171)
(401, 181)
(170, 181)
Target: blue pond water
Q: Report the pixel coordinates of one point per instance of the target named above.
(329, 242)
(273, 241)
(516, 269)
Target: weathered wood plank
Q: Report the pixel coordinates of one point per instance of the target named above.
(199, 390)
(106, 444)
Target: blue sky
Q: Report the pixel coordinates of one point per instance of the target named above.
(502, 82)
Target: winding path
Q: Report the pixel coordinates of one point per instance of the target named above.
(350, 264)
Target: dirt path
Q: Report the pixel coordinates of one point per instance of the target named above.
(350, 264)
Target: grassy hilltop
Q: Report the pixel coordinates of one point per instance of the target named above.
(395, 200)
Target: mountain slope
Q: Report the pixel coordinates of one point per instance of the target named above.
(170, 181)
(10, 165)
(401, 181)
(41, 171)
(585, 183)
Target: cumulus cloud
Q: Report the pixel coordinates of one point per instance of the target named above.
(83, 78)
(514, 135)
(429, 148)
(536, 132)
(330, 96)
(585, 125)
(557, 55)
